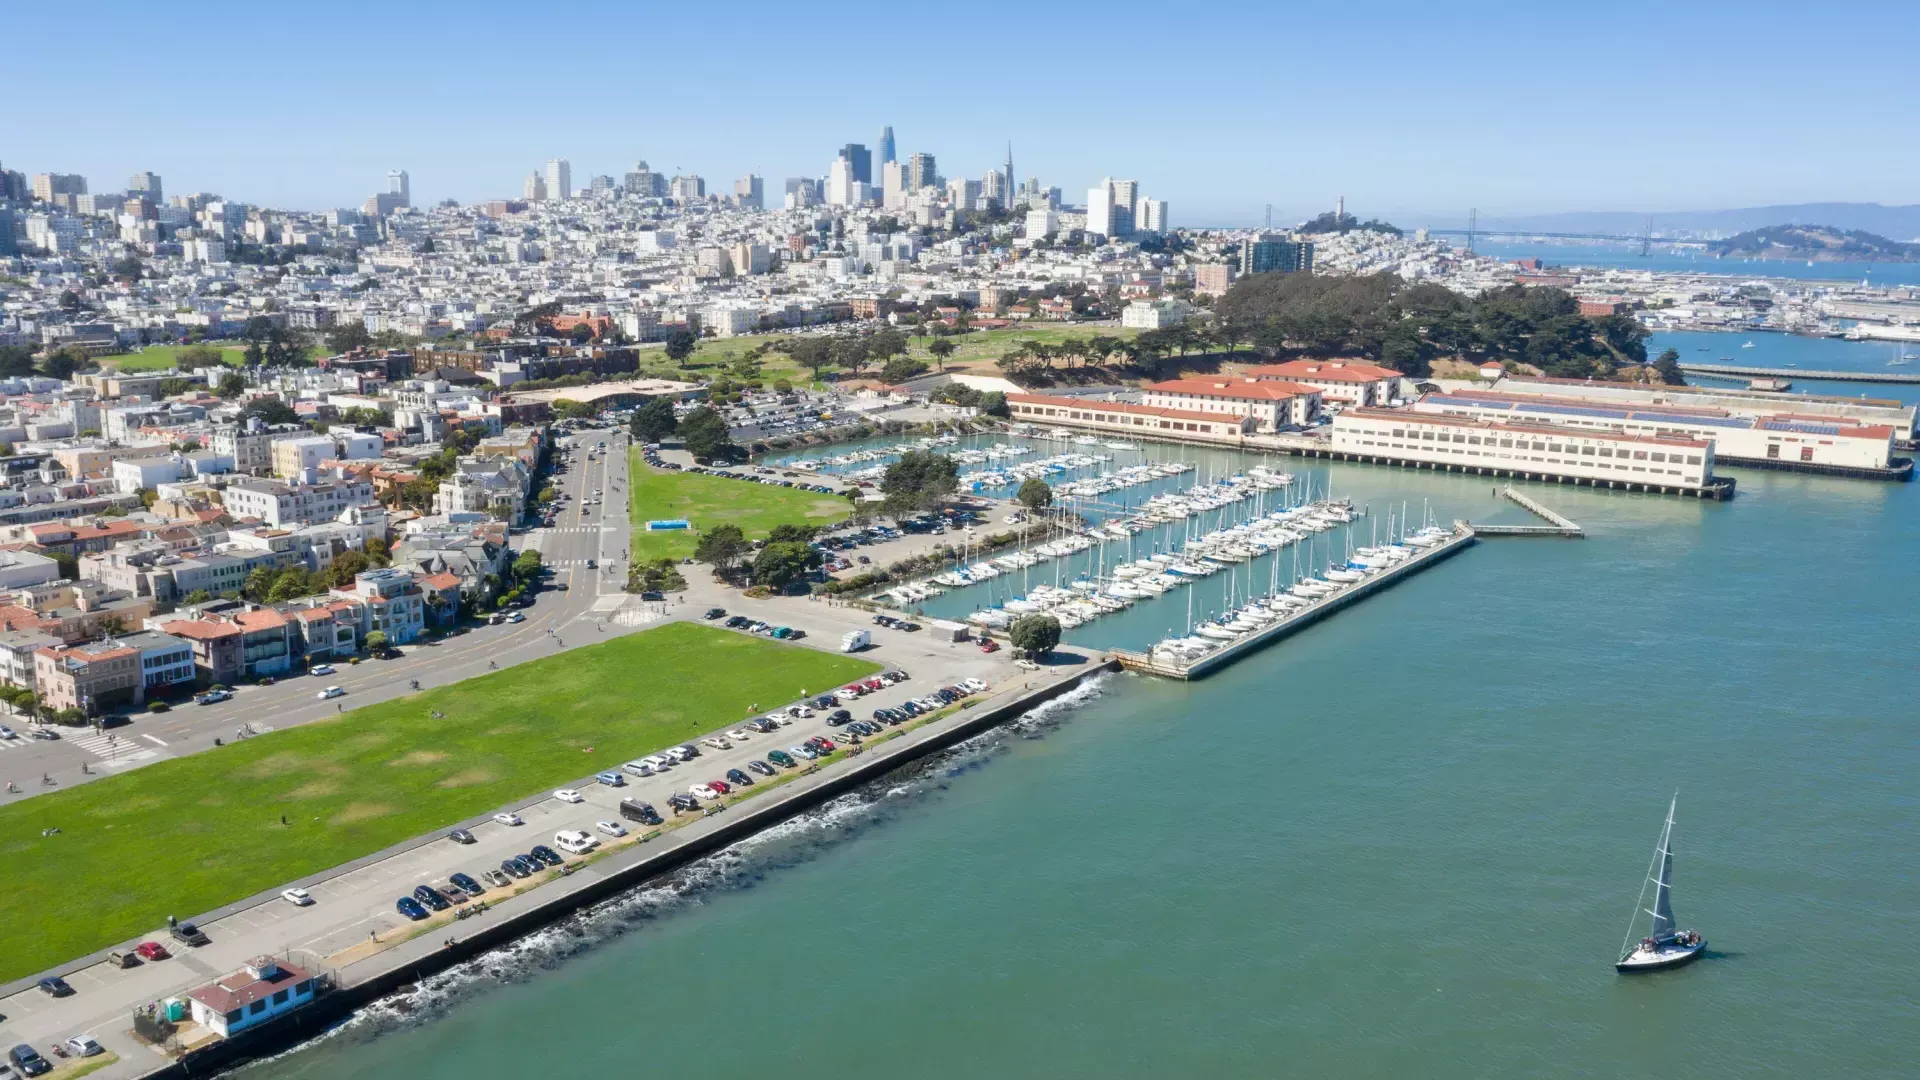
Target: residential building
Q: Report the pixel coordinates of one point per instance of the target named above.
(750, 192)
(1155, 314)
(101, 674)
(396, 603)
(24, 569)
(146, 185)
(535, 188)
(1212, 279)
(279, 504)
(921, 173)
(17, 649)
(559, 179)
(47, 185)
(1150, 216)
(688, 188)
(1272, 253)
(296, 458)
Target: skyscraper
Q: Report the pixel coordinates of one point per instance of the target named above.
(559, 179)
(921, 172)
(1110, 207)
(893, 185)
(859, 161)
(397, 184)
(1009, 172)
(750, 192)
(840, 182)
(535, 189)
(885, 147)
(146, 185)
(1265, 253)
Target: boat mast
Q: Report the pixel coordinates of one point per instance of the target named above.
(1659, 874)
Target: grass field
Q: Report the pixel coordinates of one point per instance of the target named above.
(711, 500)
(161, 357)
(187, 835)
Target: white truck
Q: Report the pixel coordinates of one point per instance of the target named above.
(855, 640)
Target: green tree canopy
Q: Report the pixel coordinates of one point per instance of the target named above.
(920, 480)
(1034, 494)
(680, 345)
(780, 564)
(653, 420)
(1035, 635)
(721, 546)
(705, 435)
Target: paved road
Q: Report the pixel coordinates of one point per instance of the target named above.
(557, 620)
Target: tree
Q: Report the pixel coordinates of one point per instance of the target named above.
(198, 596)
(787, 533)
(705, 435)
(653, 420)
(128, 267)
(232, 385)
(377, 551)
(920, 480)
(994, 403)
(1035, 635)
(850, 352)
(779, 565)
(815, 353)
(900, 369)
(16, 361)
(569, 409)
(291, 584)
(941, 349)
(70, 302)
(1034, 494)
(347, 337)
(527, 567)
(271, 411)
(59, 365)
(260, 584)
(721, 546)
(680, 345)
(1668, 368)
(377, 641)
(346, 566)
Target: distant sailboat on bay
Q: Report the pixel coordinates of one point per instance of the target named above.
(1664, 946)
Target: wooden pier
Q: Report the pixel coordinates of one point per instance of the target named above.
(1146, 663)
(1557, 524)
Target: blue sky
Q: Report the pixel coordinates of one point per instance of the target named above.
(1412, 110)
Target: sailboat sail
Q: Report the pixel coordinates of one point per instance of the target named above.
(1663, 896)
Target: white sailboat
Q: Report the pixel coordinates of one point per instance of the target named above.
(1664, 946)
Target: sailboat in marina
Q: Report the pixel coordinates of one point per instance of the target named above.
(1664, 946)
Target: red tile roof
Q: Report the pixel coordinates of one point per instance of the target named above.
(241, 989)
(1324, 371)
(1248, 389)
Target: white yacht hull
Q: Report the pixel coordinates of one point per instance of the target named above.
(1661, 958)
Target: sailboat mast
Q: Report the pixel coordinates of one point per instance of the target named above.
(1656, 871)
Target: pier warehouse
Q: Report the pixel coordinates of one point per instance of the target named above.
(1853, 411)
(1600, 458)
(1272, 404)
(1125, 418)
(1784, 439)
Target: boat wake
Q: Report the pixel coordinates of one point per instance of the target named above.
(740, 866)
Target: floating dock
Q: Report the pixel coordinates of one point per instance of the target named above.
(1146, 663)
(1557, 524)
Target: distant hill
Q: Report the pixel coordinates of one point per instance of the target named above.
(1819, 243)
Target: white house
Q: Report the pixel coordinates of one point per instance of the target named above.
(1154, 314)
(262, 990)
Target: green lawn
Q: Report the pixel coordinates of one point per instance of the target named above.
(161, 357)
(712, 500)
(187, 835)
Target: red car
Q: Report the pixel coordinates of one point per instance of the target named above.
(856, 689)
(821, 743)
(151, 950)
(873, 684)
(720, 786)
(989, 645)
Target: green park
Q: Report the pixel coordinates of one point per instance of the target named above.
(707, 501)
(95, 865)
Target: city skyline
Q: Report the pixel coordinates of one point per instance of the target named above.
(1455, 111)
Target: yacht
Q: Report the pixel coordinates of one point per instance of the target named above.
(1664, 946)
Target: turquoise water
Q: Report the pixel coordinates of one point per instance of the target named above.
(1789, 351)
(1695, 261)
(1405, 842)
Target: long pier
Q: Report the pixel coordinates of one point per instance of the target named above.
(1796, 373)
(1557, 524)
(1147, 663)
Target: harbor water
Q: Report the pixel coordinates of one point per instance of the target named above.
(1406, 841)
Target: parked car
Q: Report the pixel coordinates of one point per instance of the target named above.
(635, 810)
(546, 855)
(839, 716)
(119, 959)
(508, 819)
(461, 836)
(658, 762)
(611, 828)
(574, 842)
(720, 786)
(151, 950)
(781, 758)
(703, 791)
(431, 897)
(297, 897)
(611, 778)
(83, 1046)
(55, 986)
(761, 767)
(568, 795)
(515, 867)
(188, 934)
(411, 908)
(467, 884)
(683, 801)
(28, 1060)
(498, 879)
(638, 768)
(715, 613)
(803, 751)
(740, 777)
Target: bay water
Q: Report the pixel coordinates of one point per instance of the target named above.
(1404, 842)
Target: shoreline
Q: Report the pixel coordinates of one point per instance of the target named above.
(362, 982)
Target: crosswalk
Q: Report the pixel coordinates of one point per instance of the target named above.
(115, 749)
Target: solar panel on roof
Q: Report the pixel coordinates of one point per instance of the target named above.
(1576, 410)
(1800, 427)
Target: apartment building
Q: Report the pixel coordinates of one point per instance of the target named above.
(279, 505)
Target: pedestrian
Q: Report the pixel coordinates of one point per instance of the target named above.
(337, 707)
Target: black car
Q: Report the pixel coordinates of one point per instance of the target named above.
(461, 836)
(760, 767)
(653, 595)
(188, 934)
(410, 907)
(55, 986)
(883, 620)
(764, 725)
(514, 867)
(28, 1061)
(635, 810)
(467, 884)
(736, 622)
(822, 702)
(593, 564)
(430, 897)
(740, 777)
(840, 716)
(546, 855)
(683, 801)
(715, 613)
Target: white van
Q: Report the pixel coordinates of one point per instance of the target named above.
(574, 842)
(855, 640)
